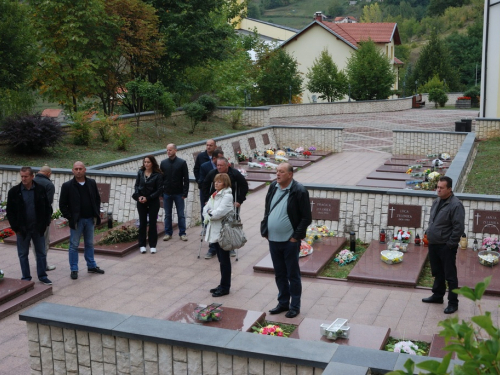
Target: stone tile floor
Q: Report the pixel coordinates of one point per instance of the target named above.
(156, 285)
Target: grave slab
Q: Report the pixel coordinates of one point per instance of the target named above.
(386, 184)
(370, 269)
(391, 176)
(262, 177)
(232, 318)
(322, 153)
(17, 294)
(470, 271)
(57, 234)
(400, 162)
(258, 170)
(4, 224)
(361, 335)
(395, 169)
(313, 264)
(313, 158)
(255, 185)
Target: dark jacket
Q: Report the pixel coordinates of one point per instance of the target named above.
(69, 201)
(43, 180)
(204, 170)
(16, 212)
(298, 208)
(239, 185)
(202, 157)
(175, 176)
(447, 225)
(150, 188)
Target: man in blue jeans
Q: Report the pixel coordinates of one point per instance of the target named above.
(175, 190)
(80, 204)
(29, 212)
(288, 214)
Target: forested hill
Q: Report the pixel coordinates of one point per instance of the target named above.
(457, 23)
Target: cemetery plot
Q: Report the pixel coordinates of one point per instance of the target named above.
(386, 184)
(262, 177)
(231, 318)
(255, 185)
(17, 294)
(470, 271)
(391, 176)
(371, 269)
(258, 170)
(310, 265)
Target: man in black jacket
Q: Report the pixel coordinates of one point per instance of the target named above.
(80, 203)
(175, 189)
(446, 226)
(43, 178)
(29, 213)
(288, 213)
(203, 157)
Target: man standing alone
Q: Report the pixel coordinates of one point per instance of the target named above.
(288, 214)
(29, 213)
(446, 225)
(175, 189)
(80, 204)
(43, 178)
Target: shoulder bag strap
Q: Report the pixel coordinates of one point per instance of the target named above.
(279, 200)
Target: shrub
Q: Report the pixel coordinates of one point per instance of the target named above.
(438, 96)
(210, 104)
(31, 133)
(122, 135)
(104, 127)
(234, 118)
(474, 92)
(195, 111)
(81, 127)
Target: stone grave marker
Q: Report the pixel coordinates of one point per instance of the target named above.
(402, 215)
(325, 209)
(104, 191)
(265, 139)
(251, 143)
(487, 220)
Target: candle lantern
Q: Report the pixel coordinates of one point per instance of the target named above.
(425, 240)
(417, 240)
(475, 246)
(352, 241)
(110, 219)
(382, 236)
(463, 242)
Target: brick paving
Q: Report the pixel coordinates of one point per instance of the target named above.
(156, 285)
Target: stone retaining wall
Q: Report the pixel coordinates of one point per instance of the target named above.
(324, 139)
(73, 340)
(417, 142)
(486, 128)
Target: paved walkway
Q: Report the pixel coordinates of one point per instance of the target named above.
(156, 285)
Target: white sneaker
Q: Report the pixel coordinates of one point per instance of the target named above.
(167, 237)
(153, 250)
(143, 250)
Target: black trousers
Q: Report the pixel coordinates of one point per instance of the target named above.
(225, 267)
(152, 208)
(444, 269)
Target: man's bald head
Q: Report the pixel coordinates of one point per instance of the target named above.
(79, 171)
(45, 170)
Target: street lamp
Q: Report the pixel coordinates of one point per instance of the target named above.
(349, 92)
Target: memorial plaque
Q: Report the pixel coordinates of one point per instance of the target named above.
(487, 220)
(325, 209)
(251, 143)
(236, 147)
(265, 139)
(195, 155)
(402, 215)
(104, 190)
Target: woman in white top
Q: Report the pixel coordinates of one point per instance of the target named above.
(218, 206)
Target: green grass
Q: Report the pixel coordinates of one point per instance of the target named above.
(423, 347)
(146, 140)
(425, 279)
(483, 177)
(102, 228)
(334, 270)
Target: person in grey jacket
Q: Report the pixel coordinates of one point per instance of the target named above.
(446, 226)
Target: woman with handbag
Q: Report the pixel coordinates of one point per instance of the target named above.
(218, 206)
(148, 188)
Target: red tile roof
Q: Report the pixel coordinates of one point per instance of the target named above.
(51, 112)
(398, 61)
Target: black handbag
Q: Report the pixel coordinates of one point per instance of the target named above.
(263, 223)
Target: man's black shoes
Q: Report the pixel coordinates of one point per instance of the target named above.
(74, 275)
(220, 293)
(292, 313)
(451, 309)
(95, 270)
(278, 309)
(214, 289)
(433, 299)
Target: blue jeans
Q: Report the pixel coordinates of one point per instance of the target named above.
(285, 257)
(168, 202)
(85, 227)
(23, 250)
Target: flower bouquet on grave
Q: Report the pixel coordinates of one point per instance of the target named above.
(305, 249)
(280, 153)
(241, 157)
(211, 313)
(444, 156)
(269, 152)
(269, 330)
(312, 149)
(6, 233)
(402, 235)
(315, 233)
(407, 347)
(415, 166)
(345, 257)
(491, 244)
(307, 153)
(1, 275)
(299, 150)
(432, 181)
(243, 172)
(3, 210)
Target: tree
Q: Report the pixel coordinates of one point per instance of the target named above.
(325, 78)
(370, 73)
(438, 96)
(336, 8)
(194, 32)
(138, 48)
(278, 78)
(371, 13)
(18, 56)
(437, 7)
(75, 38)
(434, 60)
